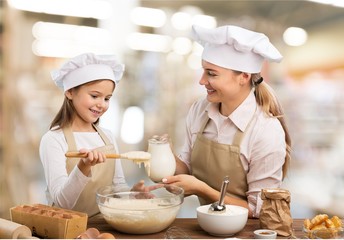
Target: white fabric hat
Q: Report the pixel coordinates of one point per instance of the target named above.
(235, 48)
(85, 68)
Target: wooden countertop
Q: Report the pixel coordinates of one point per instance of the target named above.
(189, 226)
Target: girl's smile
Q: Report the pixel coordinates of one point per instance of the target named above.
(97, 114)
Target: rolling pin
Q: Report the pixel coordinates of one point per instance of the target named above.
(12, 230)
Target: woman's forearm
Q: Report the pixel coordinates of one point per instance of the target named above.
(181, 167)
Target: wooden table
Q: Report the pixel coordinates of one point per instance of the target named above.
(189, 226)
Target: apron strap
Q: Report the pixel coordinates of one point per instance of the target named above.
(239, 135)
(67, 131)
(201, 130)
(102, 135)
(237, 138)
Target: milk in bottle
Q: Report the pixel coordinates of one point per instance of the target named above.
(162, 162)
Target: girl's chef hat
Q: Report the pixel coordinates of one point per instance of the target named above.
(235, 48)
(85, 68)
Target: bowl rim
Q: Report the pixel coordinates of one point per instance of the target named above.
(259, 231)
(111, 188)
(222, 215)
(311, 233)
(334, 230)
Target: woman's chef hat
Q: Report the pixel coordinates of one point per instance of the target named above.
(235, 48)
(85, 68)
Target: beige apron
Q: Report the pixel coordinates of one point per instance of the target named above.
(212, 161)
(102, 174)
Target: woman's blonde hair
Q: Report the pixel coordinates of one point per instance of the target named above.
(266, 98)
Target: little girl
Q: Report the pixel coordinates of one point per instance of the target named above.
(88, 82)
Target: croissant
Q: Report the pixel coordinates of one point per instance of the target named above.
(318, 219)
(336, 221)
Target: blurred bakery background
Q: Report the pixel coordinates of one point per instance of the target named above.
(152, 37)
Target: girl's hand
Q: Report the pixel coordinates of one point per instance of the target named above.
(140, 187)
(93, 157)
(145, 190)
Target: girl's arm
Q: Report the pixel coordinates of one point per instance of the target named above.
(64, 189)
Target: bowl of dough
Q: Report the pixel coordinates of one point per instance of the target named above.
(223, 223)
(140, 212)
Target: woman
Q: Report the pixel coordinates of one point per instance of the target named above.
(239, 129)
(88, 82)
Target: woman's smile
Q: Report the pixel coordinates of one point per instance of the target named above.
(210, 91)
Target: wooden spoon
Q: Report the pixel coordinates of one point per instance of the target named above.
(134, 155)
(137, 157)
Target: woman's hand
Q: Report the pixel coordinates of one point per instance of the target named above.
(194, 186)
(189, 183)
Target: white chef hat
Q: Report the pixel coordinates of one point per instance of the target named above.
(85, 68)
(235, 48)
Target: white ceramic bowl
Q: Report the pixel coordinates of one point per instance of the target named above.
(139, 212)
(265, 234)
(222, 224)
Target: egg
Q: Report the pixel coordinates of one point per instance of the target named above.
(92, 233)
(106, 236)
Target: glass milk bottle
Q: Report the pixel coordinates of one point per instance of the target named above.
(162, 162)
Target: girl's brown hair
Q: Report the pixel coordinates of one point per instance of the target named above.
(266, 98)
(65, 115)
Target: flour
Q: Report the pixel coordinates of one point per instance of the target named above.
(139, 216)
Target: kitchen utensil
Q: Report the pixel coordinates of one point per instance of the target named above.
(136, 156)
(219, 206)
(12, 230)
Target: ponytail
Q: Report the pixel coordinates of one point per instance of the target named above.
(266, 98)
